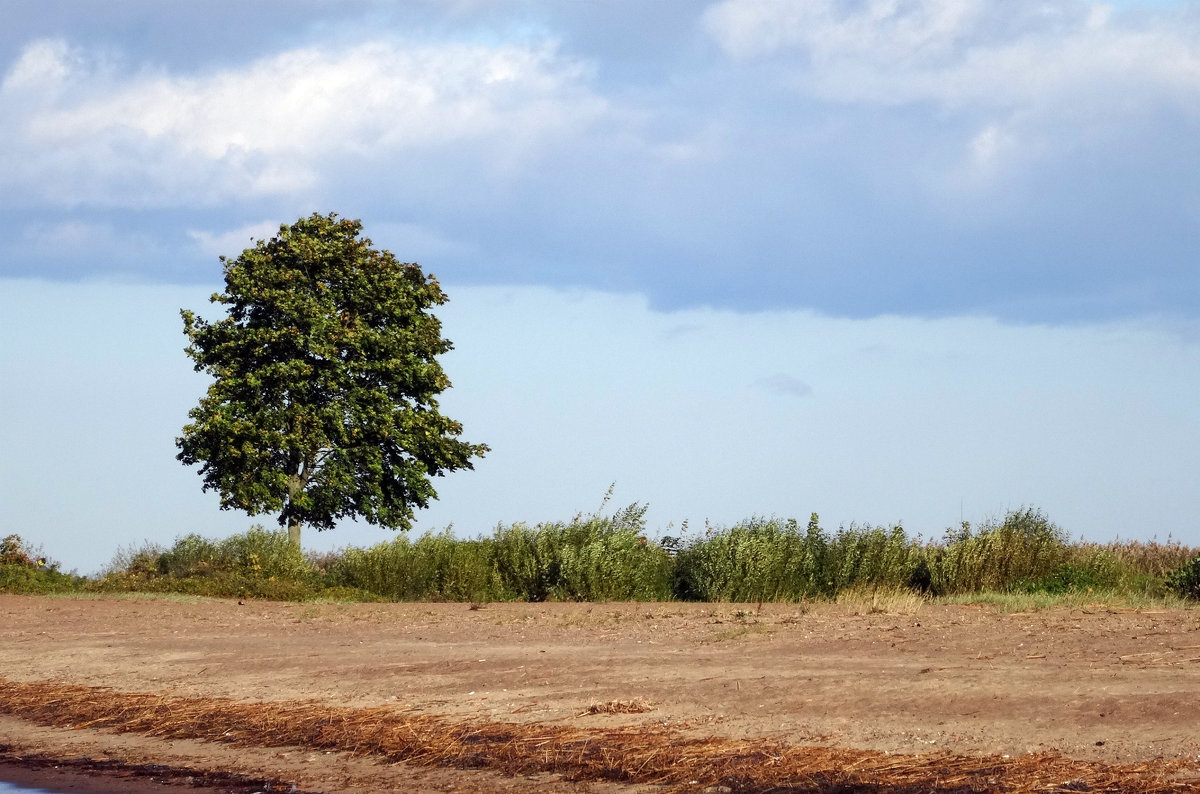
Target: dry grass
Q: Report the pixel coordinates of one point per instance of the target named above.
(1147, 557)
(635, 706)
(632, 755)
(883, 600)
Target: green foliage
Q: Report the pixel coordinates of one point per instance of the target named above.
(769, 560)
(24, 569)
(135, 560)
(258, 563)
(256, 553)
(15, 551)
(192, 555)
(597, 559)
(324, 399)
(1185, 582)
(525, 559)
(1024, 561)
(228, 586)
(436, 567)
(265, 554)
(27, 580)
(600, 558)
(1025, 547)
(605, 559)
(1068, 578)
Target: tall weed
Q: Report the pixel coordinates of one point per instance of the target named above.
(436, 567)
(1025, 546)
(773, 560)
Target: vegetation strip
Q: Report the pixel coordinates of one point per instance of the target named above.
(641, 755)
(611, 558)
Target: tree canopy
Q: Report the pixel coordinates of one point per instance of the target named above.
(323, 403)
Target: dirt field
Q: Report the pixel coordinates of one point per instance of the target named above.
(1118, 687)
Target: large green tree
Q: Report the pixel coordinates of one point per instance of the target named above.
(323, 403)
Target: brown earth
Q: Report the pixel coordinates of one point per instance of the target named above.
(1095, 684)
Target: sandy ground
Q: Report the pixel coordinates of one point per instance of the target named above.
(1110, 685)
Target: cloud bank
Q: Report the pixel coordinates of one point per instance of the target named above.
(1033, 161)
(274, 126)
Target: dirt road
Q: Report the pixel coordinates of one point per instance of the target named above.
(1093, 684)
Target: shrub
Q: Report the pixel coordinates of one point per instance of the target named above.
(1185, 582)
(597, 558)
(770, 560)
(435, 567)
(610, 559)
(17, 578)
(256, 563)
(134, 560)
(223, 586)
(24, 569)
(526, 559)
(191, 555)
(1066, 578)
(1025, 546)
(15, 551)
(756, 560)
(263, 553)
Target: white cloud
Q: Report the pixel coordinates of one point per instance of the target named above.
(991, 54)
(268, 127)
(987, 153)
(1022, 81)
(233, 242)
(43, 66)
(884, 29)
(409, 241)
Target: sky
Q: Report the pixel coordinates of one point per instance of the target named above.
(883, 260)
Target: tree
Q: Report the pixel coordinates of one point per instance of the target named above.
(323, 404)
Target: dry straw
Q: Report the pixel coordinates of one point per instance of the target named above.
(635, 706)
(631, 754)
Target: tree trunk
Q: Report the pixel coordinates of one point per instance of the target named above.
(297, 482)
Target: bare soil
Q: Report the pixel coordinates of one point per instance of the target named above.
(1116, 686)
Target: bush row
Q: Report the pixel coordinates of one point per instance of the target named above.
(609, 558)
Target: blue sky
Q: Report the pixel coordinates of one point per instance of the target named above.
(882, 260)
